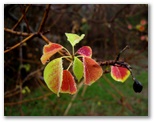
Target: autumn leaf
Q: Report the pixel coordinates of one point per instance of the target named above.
(53, 74)
(92, 70)
(119, 73)
(49, 50)
(85, 51)
(68, 83)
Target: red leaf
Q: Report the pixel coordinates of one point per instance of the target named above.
(119, 73)
(49, 50)
(92, 70)
(85, 51)
(68, 83)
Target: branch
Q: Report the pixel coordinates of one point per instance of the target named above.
(45, 38)
(16, 32)
(31, 74)
(72, 100)
(25, 101)
(21, 17)
(24, 16)
(113, 18)
(44, 18)
(18, 44)
(118, 56)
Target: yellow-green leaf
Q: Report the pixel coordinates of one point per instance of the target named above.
(78, 68)
(74, 38)
(53, 74)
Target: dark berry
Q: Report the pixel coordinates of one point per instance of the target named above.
(137, 86)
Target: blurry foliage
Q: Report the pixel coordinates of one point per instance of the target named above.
(107, 32)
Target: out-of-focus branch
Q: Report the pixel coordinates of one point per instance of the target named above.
(45, 38)
(18, 44)
(24, 16)
(21, 17)
(29, 100)
(72, 100)
(114, 17)
(19, 33)
(44, 18)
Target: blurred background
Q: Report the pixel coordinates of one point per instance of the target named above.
(108, 29)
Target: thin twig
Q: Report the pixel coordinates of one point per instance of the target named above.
(108, 81)
(25, 101)
(118, 56)
(21, 18)
(44, 18)
(121, 10)
(19, 33)
(32, 73)
(24, 15)
(18, 44)
(45, 38)
(72, 100)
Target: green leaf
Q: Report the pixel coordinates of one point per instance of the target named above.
(53, 74)
(74, 38)
(78, 68)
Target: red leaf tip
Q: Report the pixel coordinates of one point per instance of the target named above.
(85, 51)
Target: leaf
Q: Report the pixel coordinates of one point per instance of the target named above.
(92, 70)
(68, 84)
(119, 73)
(78, 68)
(49, 50)
(85, 51)
(74, 38)
(53, 74)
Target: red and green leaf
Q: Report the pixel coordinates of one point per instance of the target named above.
(49, 50)
(92, 70)
(53, 74)
(119, 73)
(85, 51)
(68, 83)
(78, 68)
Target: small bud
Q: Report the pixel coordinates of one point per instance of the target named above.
(137, 86)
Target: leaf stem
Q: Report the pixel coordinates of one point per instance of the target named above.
(73, 52)
(67, 51)
(69, 66)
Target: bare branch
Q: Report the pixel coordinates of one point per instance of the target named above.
(44, 18)
(45, 38)
(18, 44)
(24, 16)
(21, 17)
(19, 33)
(29, 100)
